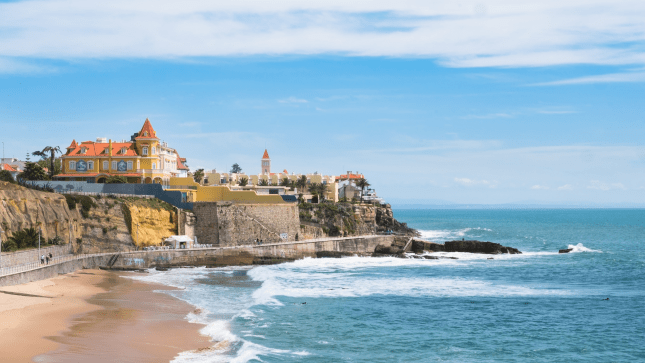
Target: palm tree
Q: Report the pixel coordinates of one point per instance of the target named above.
(51, 152)
(199, 175)
(321, 189)
(244, 181)
(285, 182)
(301, 183)
(362, 183)
(263, 183)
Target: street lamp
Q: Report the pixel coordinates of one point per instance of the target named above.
(1, 232)
(40, 230)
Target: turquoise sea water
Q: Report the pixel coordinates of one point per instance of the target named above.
(540, 306)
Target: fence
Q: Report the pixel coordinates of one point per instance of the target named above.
(173, 197)
(56, 260)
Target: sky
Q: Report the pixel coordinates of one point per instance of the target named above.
(482, 102)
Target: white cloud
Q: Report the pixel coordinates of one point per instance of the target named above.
(489, 116)
(540, 187)
(491, 34)
(292, 100)
(595, 184)
(565, 187)
(603, 78)
(472, 182)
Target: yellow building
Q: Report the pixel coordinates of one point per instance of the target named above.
(143, 159)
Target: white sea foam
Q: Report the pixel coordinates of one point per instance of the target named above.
(580, 248)
(446, 234)
(282, 280)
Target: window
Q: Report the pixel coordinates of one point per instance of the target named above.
(72, 165)
(90, 165)
(114, 165)
(123, 150)
(144, 151)
(105, 165)
(154, 150)
(129, 165)
(154, 166)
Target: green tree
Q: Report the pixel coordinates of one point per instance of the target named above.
(322, 190)
(25, 238)
(362, 183)
(116, 179)
(244, 181)
(236, 169)
(199, 175)
(301, 183)
(32, 171)
(263, 183)
(51, 152)
(285, 182)
(5, 175)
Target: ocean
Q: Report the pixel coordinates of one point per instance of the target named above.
(540, 306)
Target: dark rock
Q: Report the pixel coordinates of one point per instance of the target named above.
(419, 246)
(381, 250)
(479, 247)
(566, 250)
(385, 222)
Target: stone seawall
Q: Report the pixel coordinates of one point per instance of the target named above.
(32, 255)
(250, 255)
(54, 270)
(211, 257)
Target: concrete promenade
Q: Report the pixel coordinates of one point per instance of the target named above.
(211, 257)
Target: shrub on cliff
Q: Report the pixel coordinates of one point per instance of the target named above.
(25, 238)
(6, 176)
(71, 201)
(116, 179)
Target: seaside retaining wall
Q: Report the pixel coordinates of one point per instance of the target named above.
(54, 270)
(33, 255)
(231, 224)
(211, 257)
(252, 255)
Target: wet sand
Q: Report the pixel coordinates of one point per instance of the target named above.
(94, 316)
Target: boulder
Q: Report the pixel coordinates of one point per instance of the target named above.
(418, 246)
(382, 250)
(478, 247)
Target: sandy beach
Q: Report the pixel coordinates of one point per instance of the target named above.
(94, 315)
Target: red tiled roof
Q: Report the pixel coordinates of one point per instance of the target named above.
(99, 149)
(351, 176)
(8, 167)
(266, 154)
(180, 162)
(73, 145)
(147, 130)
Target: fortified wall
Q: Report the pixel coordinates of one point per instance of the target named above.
(231, 224)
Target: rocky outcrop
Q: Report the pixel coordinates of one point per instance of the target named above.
(418, 246)
(479, 247)
(149, 221)
(346, 219)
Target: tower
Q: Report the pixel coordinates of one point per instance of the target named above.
(266, 163)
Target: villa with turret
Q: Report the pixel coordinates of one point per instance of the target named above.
(142, 159)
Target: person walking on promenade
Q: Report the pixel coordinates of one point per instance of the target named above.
(42, 259)
(47, 259)
(51, 257)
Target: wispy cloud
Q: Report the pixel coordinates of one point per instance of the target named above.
(565, 187)
(603, 78)
(505, 34)
(473, 182)
(539, 187)
(293, 100)
(598, 185)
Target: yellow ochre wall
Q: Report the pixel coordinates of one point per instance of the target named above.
(223, 193)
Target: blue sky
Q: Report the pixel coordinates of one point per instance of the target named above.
(470, 102)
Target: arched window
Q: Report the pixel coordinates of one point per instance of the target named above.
(144, 151)
(154, 165)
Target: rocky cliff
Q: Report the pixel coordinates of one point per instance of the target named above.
(90, 224)
(25, 208)
(346, 219)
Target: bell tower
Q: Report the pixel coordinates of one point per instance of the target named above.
(266, 163)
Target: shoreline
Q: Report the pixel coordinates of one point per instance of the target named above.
(62, 319)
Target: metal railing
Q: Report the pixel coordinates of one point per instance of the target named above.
(4, 271)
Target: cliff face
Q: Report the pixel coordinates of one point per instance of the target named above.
(148, 224)
(25, 208)
(109, 225)
(345, 219)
